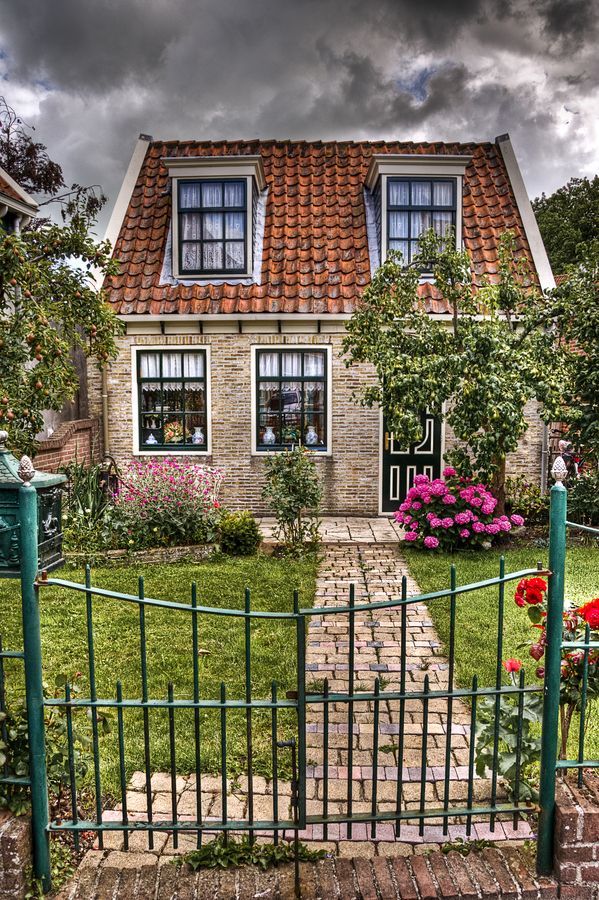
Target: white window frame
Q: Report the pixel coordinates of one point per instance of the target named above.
(255, 349)
(385, 166)
(216, 168)
(148, 348)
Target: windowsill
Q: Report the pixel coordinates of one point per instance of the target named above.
(264, 453)
(178, 452)
(213, 278)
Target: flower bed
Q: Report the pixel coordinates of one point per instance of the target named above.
(450, 512)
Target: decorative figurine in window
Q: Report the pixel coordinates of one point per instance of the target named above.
(150, 439)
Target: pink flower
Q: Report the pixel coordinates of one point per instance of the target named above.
(421, 479)
(492, 528)
(438, 489)
(414, 526)
(435, 522)
(410, 536)
(431, 542)
(517, 520)
(464, 533)
(478, 527)
(449, 499)
(504, 526)
(447, 522)
(476, 501)
(448, 472)
(416, 504)
(512, 665)
(462, 518)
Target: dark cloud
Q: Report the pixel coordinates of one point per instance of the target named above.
(91, 76)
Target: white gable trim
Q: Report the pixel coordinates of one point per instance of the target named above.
(531, 228)
(122, 201)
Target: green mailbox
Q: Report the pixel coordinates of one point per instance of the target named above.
(13, 474)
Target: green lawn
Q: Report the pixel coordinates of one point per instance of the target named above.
(477, 612)
(169, 651)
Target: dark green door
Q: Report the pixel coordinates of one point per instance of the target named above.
(401, 465)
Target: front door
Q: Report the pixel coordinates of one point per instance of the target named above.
(401, 465)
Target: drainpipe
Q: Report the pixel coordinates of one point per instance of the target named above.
(544, 457)
(105, 425)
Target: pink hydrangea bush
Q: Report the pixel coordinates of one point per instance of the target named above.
(451, 512)
(167, 502)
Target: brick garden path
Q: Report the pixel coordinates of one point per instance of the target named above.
(375, 567)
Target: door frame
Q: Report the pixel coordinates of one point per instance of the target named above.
(381, 512)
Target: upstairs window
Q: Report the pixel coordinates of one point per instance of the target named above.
(414, 205)
(213, 228)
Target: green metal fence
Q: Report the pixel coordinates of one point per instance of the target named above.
(483, 800)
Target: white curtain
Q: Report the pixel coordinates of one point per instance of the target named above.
(190, 227)
(314, 364)
(421, 221)
(399, 193)
(191, 256)
(421, 193)
(269, 365)
(234, 193)
(171, 365)
(213, 225)
(442, 193)
(291, 365)
(150, 365)
(190, 195)
(442, 222)
(398, 225)
(193, 365)
(212, 256)
(212, 193)
(234, 255)
(402, 246)
(235, 226)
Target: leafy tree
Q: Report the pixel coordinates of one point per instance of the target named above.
(478, 372)
(569, 221)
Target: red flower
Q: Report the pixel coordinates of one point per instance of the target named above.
(530, 590)
(512, 665)
(590, 613)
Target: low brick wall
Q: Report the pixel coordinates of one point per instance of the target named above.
(78, 440)
(577, 839)
(15, 855)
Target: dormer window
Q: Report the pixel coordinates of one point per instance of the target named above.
(212, 227)
(408, 194)
(215, 200)
(414, 205)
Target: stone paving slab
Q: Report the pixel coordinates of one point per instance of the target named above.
(345, 529)
(493, 873)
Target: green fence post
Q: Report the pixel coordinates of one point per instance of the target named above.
(551, 691)
(33, 684)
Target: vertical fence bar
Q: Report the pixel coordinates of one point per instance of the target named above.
(551, 687)
(402, 702)
(122, 771)
(498, 679)
(71, 761)
(301, 709)
(248, 710)
(93, 696)
(173, 760)
(375, 754)
(146, 714)
(471, 753)
(449, 724)
(518, 771)
(423, 757)
(223, 756)
(196, 709)
(34, 684)
(325, 762)
(275, 759)
(583, 702)
(350, 708)
(3, 728)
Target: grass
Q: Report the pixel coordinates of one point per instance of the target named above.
(477, 612)
(221, 583)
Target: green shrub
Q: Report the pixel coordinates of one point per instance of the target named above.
(239, 533)
(86, 509)
(525, 499)
(583, 499)
(294, 493)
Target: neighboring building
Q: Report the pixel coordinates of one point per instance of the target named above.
(241, 263)
(17, 208)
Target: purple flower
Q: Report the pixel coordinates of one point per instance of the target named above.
(421, 479)
(416, 504)
(504, 525)
(476, 501)
(435, 522)
(447, 522)
(431, 542)
(414, 526)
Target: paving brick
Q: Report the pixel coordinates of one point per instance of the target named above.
(422, 877)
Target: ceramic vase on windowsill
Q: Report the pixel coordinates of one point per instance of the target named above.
(198, 435)
(311, 436)
(269, 436)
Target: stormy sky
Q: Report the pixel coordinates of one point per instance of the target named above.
(89, 75)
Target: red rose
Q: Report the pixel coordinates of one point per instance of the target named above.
(590, 613)
(512, 665)
(520, 601)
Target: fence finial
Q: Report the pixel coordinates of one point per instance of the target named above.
(559, 471)
(26, 470)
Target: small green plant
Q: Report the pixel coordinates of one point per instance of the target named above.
(239, 533)
(513, 728)
(466, 847)
(294, 493)
(583, 499)
(524, 498)
(225, 854)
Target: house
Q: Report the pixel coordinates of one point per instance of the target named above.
(241, 262)
(17, 208)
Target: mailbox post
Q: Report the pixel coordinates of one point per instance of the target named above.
(31, 539)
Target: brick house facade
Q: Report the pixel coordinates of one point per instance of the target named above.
(254, 353)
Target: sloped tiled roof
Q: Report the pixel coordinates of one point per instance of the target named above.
(10, 190)
(315, 257)
(5, 188)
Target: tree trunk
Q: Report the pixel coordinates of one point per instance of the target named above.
(498, 487)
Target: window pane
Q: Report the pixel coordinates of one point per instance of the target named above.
(421, 193)
(268, 396)
(212, 256)
(195, 430)
(314, 430)
(234, 255)
(171, 365)
(190, 226)
(268, 431)
(150, 396)
(313, 364)
(173, 430)
(193, 365)
(442, 193)
(399, 193)
(268, 364)
(442, 221)
(235, 225)
(213, 225)
(194, 396)
(402, 246)
(189, 195)
(190, 256)
(234, 193)
(291, 397)
(398, 225)
(314, 396)
(292, 364)
(172, 394)
(212, 193)
(149, 365)
(421, 221)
